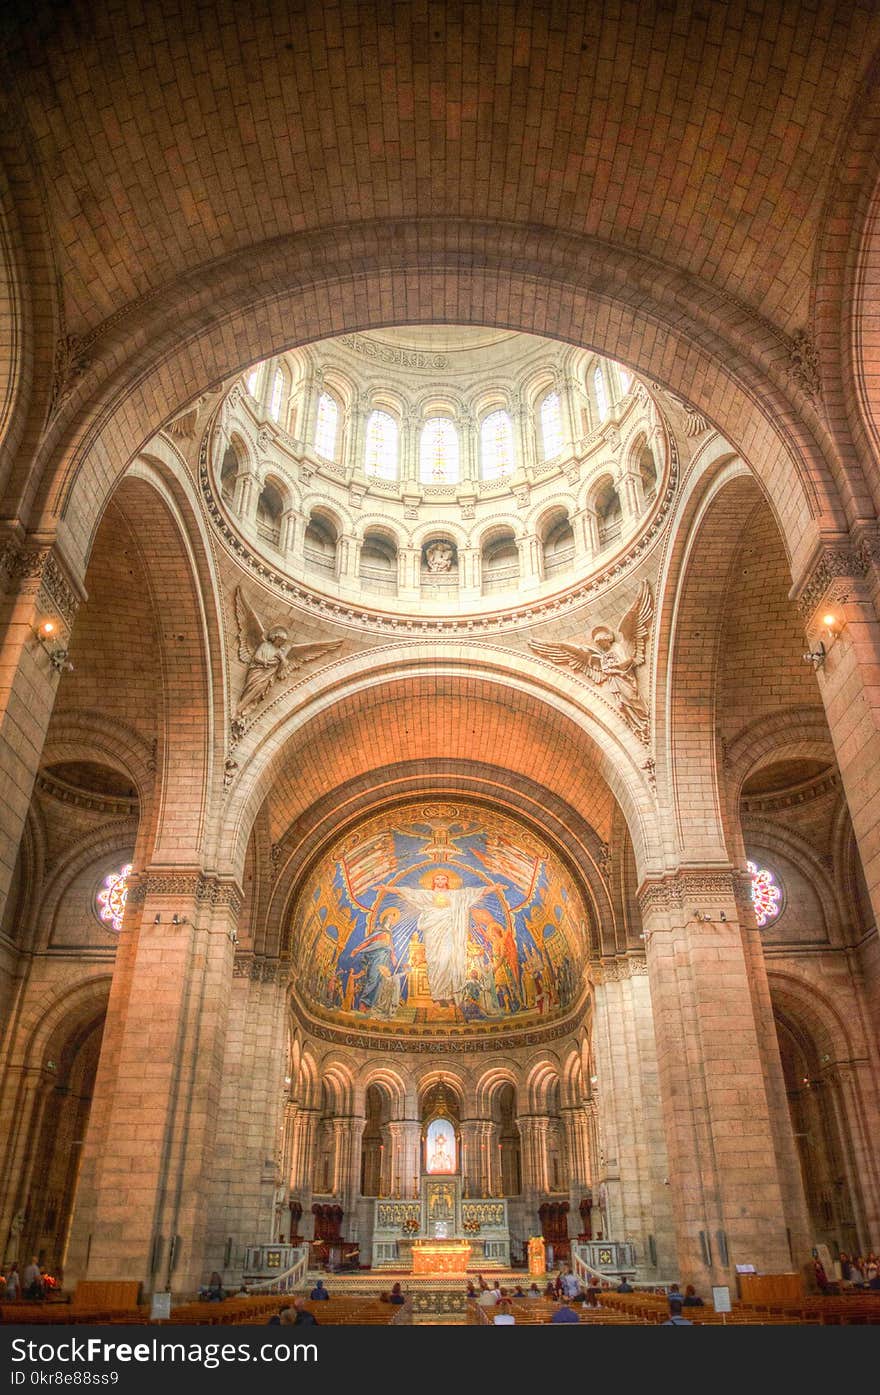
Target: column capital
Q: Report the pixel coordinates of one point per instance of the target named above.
(835, 569)
(708, 891)
(39, 565)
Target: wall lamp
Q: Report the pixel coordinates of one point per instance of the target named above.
(46, 632)
(175, 919)
(833, 628)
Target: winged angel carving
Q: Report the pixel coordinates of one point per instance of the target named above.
(268, 655)
(614, 657)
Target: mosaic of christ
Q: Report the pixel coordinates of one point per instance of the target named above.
(438, 914)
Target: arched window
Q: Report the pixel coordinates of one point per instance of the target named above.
(381, 454)
(496, 446)
(325, 426)
(250, 381)
(438, 453)
(625, 379)
(601, 392)
(551, 426)
(277, 394)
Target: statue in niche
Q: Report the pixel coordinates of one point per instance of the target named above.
(439, 556)
(268, 655)
(614, 657)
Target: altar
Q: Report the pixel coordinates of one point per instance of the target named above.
(440, 1227)
(446, 1257)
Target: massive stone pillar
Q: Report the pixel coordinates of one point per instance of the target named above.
(405, 1140)
(842, 585)
(142, 1208)
(632, 1173)
(37, 590)
(248, 1172)
(727, 1197)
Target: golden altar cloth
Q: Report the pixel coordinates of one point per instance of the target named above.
(440, 1257)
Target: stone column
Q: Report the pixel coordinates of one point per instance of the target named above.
(585, 526)
(525, 437)
(534, 1129)
(634, 1166)
(470, 572)
(409, 449)
(409, 561)
(531, 561)
(471, 1143)
(843, 581)
(247, 494)
(632, 500)
(152, 1132)
(248, 1170)
(37, 587)
(468, 447)
(348, 557)
(727, 1200)
(292, 529)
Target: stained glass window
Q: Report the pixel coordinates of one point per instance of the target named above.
(277, 394)
(381, 453)
(112, 897)
(601, 393)
(325, 426)
(551, 426)
(625, 378)
(250, 381)
(438, 454)
(766, 894)
(496, 446)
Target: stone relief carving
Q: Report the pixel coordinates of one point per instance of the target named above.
(613, 657)
(803, 359)
(269, 656)
(439, 556)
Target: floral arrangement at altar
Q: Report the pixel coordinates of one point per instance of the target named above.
(472, 1226)
(410, 1225)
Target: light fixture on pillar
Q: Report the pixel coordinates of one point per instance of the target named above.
(47, 633)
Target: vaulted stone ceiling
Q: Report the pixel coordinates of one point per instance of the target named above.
(704, 135)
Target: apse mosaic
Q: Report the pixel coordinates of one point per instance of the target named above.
(438, 914)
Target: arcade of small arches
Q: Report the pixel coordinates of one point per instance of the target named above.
(503, 465)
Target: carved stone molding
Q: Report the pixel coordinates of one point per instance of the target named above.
(614, 970)
(258, 970)
(685, 890)
(119, 807)
(189, 885)
(392, 355)
(41, 565)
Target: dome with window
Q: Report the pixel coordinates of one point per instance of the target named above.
(439, 470)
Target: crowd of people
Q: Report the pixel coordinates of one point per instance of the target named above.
(30, 1282)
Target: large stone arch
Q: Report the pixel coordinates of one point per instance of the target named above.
(734, 369)
(444, 670)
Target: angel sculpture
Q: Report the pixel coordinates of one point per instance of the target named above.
(613, 657)
(268, 655)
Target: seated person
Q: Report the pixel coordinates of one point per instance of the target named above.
(676, 1299)
(319, 1292)
(565, 1313)
(534, 1291)
(488, 1298)
(213, 1290)
(471, 1291)
(518, 1291)
(298, 1315)
(676, 1320)
(550, 1290)
(397, 1295)
(624, 1286)
(504, 1316)
(692, 1298)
